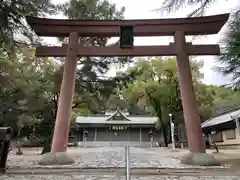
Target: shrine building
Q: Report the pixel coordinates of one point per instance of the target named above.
(118, 126)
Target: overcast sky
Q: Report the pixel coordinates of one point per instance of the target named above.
(136, 9)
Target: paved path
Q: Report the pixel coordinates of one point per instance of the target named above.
(114, 157)
(108, 157)
(111, 158)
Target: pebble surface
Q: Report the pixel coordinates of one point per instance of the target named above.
(107, 157)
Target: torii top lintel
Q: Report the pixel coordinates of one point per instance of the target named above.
(111, 28)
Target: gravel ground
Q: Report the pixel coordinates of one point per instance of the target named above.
(106, 157)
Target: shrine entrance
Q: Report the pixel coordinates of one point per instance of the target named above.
(127, 30)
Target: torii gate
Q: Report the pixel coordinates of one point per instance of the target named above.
(178, 28)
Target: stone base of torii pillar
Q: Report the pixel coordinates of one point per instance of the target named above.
(52, 158)
(199, 159)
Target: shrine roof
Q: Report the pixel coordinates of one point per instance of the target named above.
(117, 117)
(222, 118)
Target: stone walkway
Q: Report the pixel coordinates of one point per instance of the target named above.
(108, 157)
(114, 157)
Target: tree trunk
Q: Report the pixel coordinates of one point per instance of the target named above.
(165, 136)
(169, 132)
(48, 143)
(47, 146)
(163, 126)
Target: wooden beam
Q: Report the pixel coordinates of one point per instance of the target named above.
(116, 51)
(111, 28)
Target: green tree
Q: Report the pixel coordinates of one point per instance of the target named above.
(225, 98)
(229, 60)
(25, 92)
(13, 28)
(205, 100)
(230, 48)
(21, 80)
(21, 72)
(175, 5)
(94, 87)
(156, 89)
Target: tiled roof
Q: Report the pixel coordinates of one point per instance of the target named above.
(101, 120)
(117, 117)
(221, 119)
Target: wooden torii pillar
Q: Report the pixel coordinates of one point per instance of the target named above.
(179, 28)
